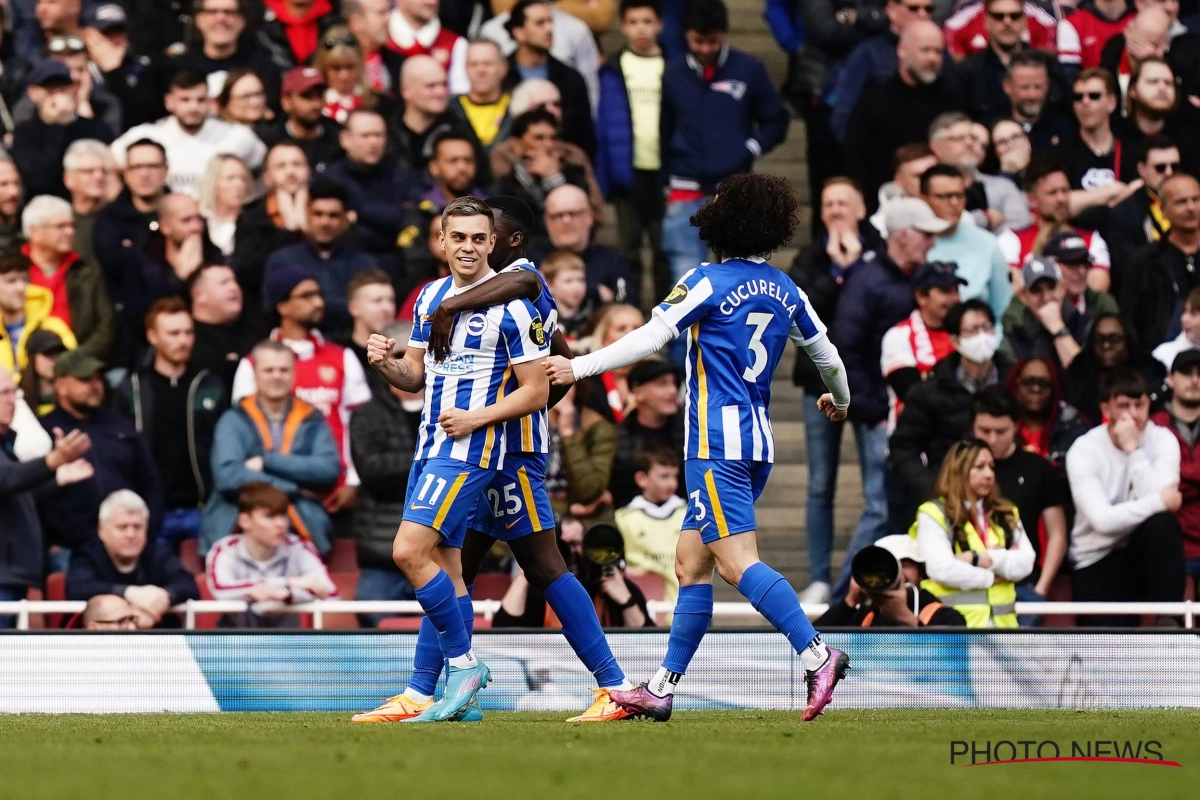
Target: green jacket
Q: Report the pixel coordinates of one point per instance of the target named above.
(91, 311)
(1024, 336)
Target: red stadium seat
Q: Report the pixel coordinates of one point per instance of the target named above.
(189, 555)
(652, 585)
(205, 621)
(491, 585)
(56, 589)
(401, 623)
(346, 583)
(36, 621)
(343, 557)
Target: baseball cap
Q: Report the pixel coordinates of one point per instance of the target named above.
(1068, 248)
(50, 71)
(77, 364)
(901, 546)
(1187, 360)
(649, 369)
(937, 275)
(300, 79)
(912, 212)
(44, 342)
(1040, 269)
(107, 17)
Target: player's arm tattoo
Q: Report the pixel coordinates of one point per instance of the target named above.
(400, 372)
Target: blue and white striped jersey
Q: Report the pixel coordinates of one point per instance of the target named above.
(484, 346)
(531, 434)
(738, 316)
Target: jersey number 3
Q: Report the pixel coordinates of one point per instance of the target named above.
(759, 321)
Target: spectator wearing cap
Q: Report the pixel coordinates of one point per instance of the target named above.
(291, 30)
(120, 457)
(1189, 334)
(1182, 418)
(123, 560)
(24, 309)
(274, 437)
(78, 288)
(1160, 275)
(655, 420)
(328, 376)
(124, 71)
(1138, 220)
(912, 347)
(39, 143)
(326, 253)
(175, 406)
(190, 136)
(42, 349)
(25, 484)
(937, 411)
(1126, 544)
(975, 252)
(906, 606)
(302, 124)
(99, 103)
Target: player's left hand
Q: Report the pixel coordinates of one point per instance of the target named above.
(441, 325)
(558, 369)
(826, 407)
(458, 422)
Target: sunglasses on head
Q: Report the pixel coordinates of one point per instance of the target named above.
(1000, 16)
(66, 44)
(1161, 169)
(1093, 96)
(346, 39)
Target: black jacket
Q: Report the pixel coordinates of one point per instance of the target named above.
(116, 224)
(982, 79)
(121, 460)
(930, 611)
(218, 348)
(22, 483)
(255, 239)
(577, 127)
(381, 444)
(937, 413)
(1128, 223)
(812, 272)
(320, 152)
(92, 572)
(1159, 277)
(207, 400)
(1183, 56)
(377, 194)
(38, 150)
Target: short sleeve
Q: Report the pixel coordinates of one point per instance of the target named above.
(688, 302)
(419, 338)
(523, 333)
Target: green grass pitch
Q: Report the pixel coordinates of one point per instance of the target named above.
(729, 755)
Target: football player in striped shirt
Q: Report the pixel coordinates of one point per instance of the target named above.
(515, 507)
(737, 315)
(491, 376)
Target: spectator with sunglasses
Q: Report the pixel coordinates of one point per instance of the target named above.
(34, 23)
(341, 63)
(1138, 220)
(1046, 423)
(1160, 275)
(91, 101)
(1101, 162)
(1110, 345)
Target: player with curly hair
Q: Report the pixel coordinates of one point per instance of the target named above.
(738, 315)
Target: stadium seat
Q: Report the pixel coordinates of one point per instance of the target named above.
(491, 585)
(343, 557)
(1060, 592)
(205, 621)
(56, 589)
(652, 585)
(189, 555)
(36, 621)
(346, 583)
(401, 623)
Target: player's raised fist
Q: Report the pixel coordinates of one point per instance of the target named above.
(379, 348)
(825, 406)
(558, 369)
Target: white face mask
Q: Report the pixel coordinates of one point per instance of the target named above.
(978, 348)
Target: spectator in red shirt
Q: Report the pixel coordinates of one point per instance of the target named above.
(1092, 24)
(1182, 418)
(968, 31)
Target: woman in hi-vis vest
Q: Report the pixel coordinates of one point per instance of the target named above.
(972, 540)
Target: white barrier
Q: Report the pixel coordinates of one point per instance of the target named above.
(487, 609)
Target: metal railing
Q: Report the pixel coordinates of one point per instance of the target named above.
(487, 609)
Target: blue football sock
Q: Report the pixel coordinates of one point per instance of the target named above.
(570, 602)
(427, 660)
(441, 607)
(774, 598)
(468, 610)
(693, 613)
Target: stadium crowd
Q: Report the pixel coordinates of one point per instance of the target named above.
(205, 212)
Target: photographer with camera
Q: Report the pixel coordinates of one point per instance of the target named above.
(597, 557)
(885, 591)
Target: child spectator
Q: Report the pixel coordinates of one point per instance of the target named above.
(262, 561)
(567, 278)
(651, 522)
(1189, 336)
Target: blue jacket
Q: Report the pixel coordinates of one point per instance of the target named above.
(332, 272)
(872, 61)
(614, 131)
(713, 130)
(875, 295)
(377, 195)
(312, 463)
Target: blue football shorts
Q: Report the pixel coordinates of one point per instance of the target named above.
(516, 503)
(441, 494)
(721, 496)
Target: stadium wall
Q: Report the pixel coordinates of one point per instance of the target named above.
(259, 671)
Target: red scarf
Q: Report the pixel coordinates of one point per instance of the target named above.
(302, 32)
(613, 396)
(56, 283)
